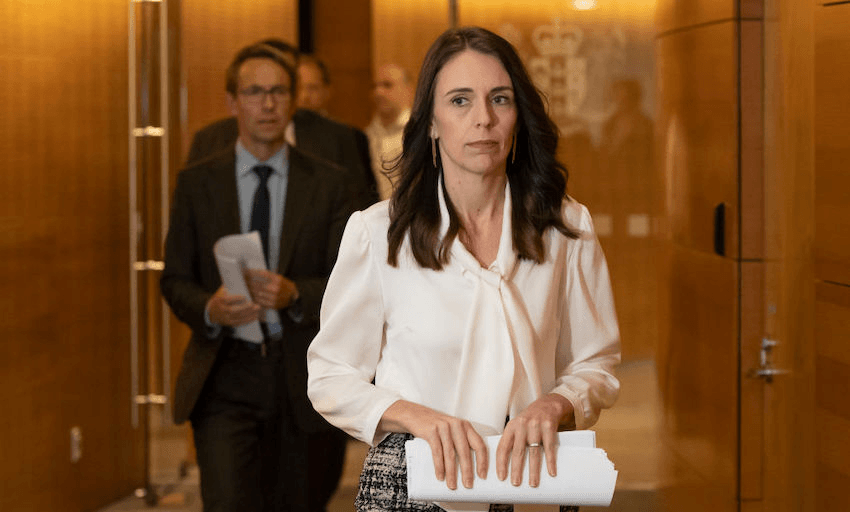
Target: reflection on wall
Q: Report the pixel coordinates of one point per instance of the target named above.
(597, 74)
(575, 66)
(403, 31)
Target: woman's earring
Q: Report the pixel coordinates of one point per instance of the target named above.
(434, 151)
(513, 151)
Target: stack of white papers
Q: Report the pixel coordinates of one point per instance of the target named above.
(585, 476)
(233, 254)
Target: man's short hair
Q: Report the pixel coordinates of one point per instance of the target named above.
(320, 65)
(287, 49)
(261, 50)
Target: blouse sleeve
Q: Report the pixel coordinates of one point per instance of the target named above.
(342, 358)
(589, 347)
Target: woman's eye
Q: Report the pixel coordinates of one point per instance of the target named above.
(460, 100)
(502, 100)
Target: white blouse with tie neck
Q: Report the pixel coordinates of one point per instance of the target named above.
(476, 343)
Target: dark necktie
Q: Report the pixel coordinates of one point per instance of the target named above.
(260, 212)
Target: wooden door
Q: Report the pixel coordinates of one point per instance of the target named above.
(808, 304)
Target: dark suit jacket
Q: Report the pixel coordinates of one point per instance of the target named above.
(315, 134)
(205, 208)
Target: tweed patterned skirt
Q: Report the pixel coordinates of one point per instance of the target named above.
(383, 482)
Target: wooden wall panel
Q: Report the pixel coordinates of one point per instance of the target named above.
(832, 136)
(343, 39)
(698, 127)
(751, 472)
(832, 322)
(833, 446)
(752, 139)
(402, 32)
(832, 387)
(212, 32)
(832, 490)
(678, 14)
(790, 470)
(698, 381)
(64, 310)
(832, 253)
(491, 13)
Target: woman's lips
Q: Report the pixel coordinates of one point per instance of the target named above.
(484, 144)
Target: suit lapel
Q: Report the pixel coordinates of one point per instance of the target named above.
(306, 137)
(223, 192)
(299, 193)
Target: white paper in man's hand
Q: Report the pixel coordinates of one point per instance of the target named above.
(585, 476)
(234, 254)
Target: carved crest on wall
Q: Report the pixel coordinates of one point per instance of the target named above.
(573, 65)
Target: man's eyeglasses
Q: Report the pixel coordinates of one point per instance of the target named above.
(257, 94)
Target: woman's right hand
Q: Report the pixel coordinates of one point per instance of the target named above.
(452, 440)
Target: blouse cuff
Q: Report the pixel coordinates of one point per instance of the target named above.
(576, 390)
(370, 434)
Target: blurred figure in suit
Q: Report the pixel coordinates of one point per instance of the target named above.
(392, 95)
(626, 151)
(311, 132)
(314, 84)
(260, 445)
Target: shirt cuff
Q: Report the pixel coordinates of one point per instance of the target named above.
(213, 330)
(295, 311)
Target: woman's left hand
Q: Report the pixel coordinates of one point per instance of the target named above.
(535, 429)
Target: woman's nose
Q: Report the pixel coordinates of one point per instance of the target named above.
(484, 114)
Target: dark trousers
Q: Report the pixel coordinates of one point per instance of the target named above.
(251, 454)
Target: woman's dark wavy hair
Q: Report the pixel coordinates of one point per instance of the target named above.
(538, 181)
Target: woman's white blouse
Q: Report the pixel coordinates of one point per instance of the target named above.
(475, 343)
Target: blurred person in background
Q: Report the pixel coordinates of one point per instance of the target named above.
(261, 447)
(309, 131)
(391, 95)
(314, 84)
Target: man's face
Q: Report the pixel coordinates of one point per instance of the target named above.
(313, 93)
(263, 102)
(390, 93)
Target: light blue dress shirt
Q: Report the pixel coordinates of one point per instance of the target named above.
(246, 185)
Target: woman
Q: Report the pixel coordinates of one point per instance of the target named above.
(477, 293)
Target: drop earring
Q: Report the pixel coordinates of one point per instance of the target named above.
(513, 150)
(434, 151)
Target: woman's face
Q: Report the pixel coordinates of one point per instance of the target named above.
(474, 114)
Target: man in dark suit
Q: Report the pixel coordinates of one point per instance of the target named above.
(313, 133)
(260, 445)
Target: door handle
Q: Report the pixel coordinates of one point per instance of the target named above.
(766, 373)
(766, 370)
